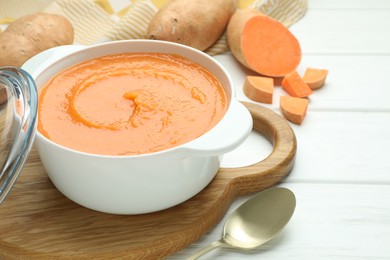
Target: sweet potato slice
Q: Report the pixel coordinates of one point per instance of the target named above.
(293, 108)
(263, 44)
(315, 78)
(259, 89)
(294, 85)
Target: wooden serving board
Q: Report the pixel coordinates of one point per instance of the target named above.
(38, 222)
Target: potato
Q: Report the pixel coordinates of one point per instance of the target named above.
(32, 34)
(194, 23)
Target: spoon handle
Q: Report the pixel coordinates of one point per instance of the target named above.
(206, 249)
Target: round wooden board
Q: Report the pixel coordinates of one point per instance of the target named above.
(38, 222)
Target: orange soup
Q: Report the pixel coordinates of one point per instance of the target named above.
(132, 103)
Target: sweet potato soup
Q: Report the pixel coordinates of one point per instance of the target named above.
(132, 103)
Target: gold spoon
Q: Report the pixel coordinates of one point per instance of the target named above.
(256, 221)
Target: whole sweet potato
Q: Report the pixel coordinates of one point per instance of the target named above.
(31, 34)
(194, 23)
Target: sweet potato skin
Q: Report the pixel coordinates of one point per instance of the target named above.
(234, 31)
(259, 89)
(193, 23)
(31, 34)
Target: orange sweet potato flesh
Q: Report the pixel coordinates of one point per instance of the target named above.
(294, 85)
(315, 78)
(293, 108)
(259, 89)
(263, 44)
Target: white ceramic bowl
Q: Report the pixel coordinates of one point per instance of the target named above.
(138, 183)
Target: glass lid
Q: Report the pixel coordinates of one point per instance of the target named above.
(18, 119)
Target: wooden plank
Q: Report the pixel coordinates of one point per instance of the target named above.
(335, 147)
(344, 32)
(344, 147)
(354, 82)
(331, 221)
(349, 4)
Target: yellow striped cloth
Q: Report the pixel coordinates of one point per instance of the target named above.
(97, 21)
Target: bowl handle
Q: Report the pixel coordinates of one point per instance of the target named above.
(227, 135)
(276, 166)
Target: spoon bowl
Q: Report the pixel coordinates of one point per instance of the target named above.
(256, 221)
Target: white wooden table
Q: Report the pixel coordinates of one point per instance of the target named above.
(341, 177)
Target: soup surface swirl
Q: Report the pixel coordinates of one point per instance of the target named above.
(130, 103)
